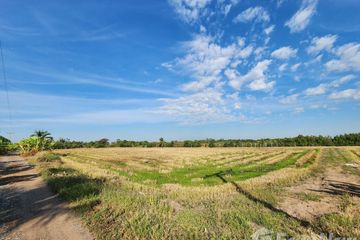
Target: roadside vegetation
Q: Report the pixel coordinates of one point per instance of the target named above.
(200, 193)
(4, 145)
(38, 141)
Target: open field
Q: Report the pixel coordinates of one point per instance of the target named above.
(201, 193)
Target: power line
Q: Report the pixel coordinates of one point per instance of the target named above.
(6, 85)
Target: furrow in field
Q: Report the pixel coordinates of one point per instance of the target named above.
(237, 158)
(252, 158)
(241, 173)
(277, 158)
(89, 168)
(308, 159)
(356, 155)
(105, 165)
(256, 159)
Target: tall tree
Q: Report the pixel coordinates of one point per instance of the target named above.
(42, 134)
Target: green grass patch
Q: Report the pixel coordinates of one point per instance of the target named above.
(70, 184)
(48, 157)
(197, 175)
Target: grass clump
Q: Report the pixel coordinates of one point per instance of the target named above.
(345, 223)
(309, 197)
(71, 185)
(49, 157)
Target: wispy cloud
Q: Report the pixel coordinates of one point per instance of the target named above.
(348, 58)
(205, 60)
(201, 107)
(256, 76)
(289, 99)
(318, 90)
(342, 80)
(189, 10)
(56, 78)
(256, 14)
(302, 17)
(284, 53)
(321, 43)
(346, 94)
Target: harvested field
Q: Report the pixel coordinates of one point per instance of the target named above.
(201, 193)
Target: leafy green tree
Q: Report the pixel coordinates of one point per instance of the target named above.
(161, 142)
(212, 143)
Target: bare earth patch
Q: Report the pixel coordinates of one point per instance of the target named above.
(321, 195)
(29, 210)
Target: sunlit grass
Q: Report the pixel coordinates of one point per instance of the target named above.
(131, 198)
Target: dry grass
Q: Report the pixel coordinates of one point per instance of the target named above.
(160, 193)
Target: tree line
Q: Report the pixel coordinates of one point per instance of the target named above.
(41, 140)
(352, 139)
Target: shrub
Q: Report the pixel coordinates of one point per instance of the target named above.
(32, 145)
(4, 143)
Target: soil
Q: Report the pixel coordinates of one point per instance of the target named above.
(28, 208)
(328, 189)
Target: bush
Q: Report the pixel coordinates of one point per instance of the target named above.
(32, 145)
(4, 143)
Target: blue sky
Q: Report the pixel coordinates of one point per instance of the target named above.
(180, 69)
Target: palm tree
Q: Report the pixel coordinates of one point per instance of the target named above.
(42, 134)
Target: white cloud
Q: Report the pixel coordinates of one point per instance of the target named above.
(261, 85)
(282, 67)
(295, 67)
(227, 9)
(259, 51)
(269, 30)
(315, 60)
(279, 3)
(318, 90)
(167, 65)
(322, 43)
(322, 88)
(189, 10)
(207, 105)
(205, 60)
(299, 110)
(345, 79)
(346, 94)
(348, 58)
(245, 52)
(289, 99)
(240, 41)
(234, 2)
(257, 14)
(256, 76)
(301, 19)
(234, 97)
(284, 53)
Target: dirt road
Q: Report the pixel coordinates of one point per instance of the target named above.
(29, 210)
